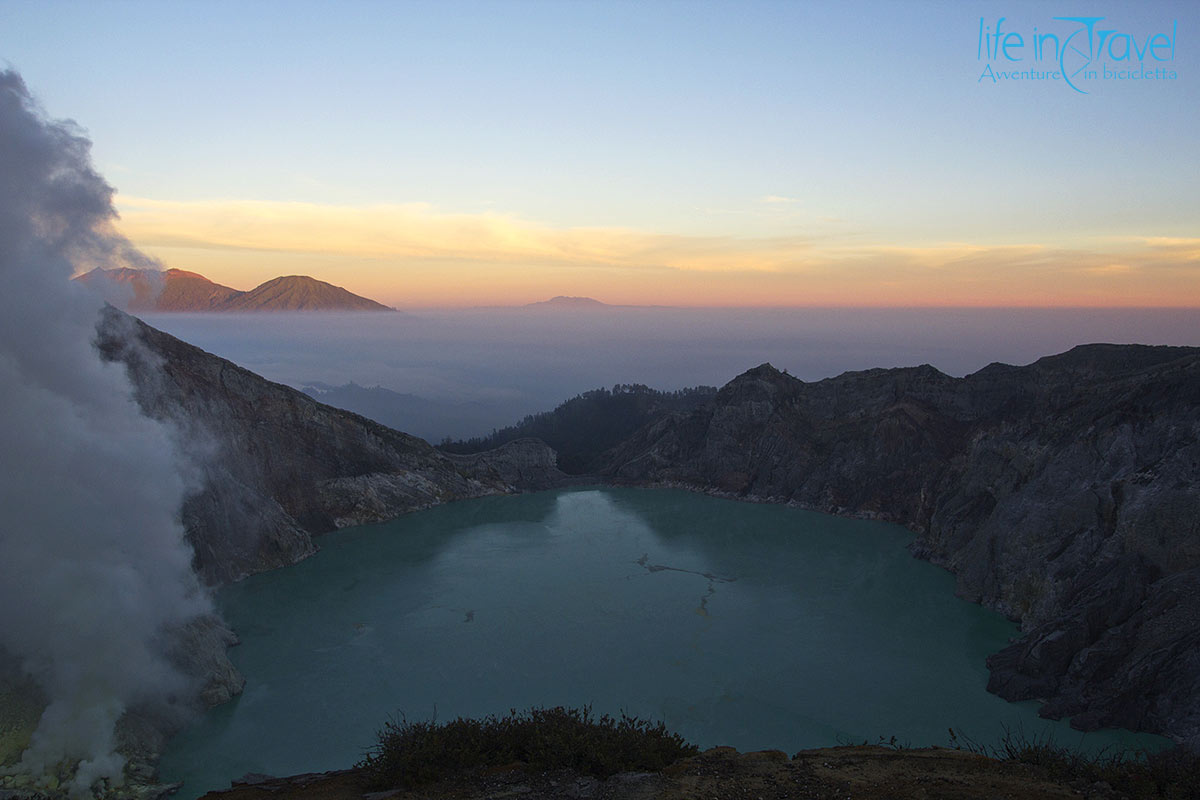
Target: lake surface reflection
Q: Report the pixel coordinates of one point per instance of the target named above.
(756, 626)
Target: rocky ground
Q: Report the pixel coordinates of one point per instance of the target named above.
(841, 773)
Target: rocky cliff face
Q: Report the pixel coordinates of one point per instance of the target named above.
(522, 463)
(274, 467)
(1065, 494)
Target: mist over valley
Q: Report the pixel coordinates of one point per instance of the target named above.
(464, 372)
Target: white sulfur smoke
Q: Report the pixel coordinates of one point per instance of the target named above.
(93, 566)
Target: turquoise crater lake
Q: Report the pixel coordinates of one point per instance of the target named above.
(757, 626)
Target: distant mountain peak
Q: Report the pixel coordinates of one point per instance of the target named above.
(302, 293)
(183, 273)
(180, 290)
(564, 301)
(765, 368)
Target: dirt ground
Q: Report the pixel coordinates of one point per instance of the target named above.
(838, 773)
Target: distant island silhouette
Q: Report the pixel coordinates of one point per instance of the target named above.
(563, 301)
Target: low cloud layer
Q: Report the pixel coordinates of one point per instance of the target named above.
(415, 254)
(94, 571)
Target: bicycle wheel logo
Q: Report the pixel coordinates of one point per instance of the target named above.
(1076, 53)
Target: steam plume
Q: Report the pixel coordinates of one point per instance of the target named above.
(93, 566)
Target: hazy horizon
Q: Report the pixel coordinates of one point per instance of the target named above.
(506, 363)
(545, 301)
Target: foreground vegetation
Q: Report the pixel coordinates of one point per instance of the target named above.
(1172, 774)
(414, 753)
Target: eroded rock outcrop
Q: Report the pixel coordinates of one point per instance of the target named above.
(1064, 494)
(274, 467)
(523, 464)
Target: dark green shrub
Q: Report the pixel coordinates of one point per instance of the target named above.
(412, 753)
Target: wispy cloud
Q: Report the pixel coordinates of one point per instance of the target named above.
(417, 230)
(393, 246)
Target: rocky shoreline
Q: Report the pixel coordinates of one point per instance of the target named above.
(1063, 494)
(272, 470)
(276, 467)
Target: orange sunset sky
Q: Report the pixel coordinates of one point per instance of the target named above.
(693, 154)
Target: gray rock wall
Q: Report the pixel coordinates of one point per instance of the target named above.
(274, 467)
(1064, 494)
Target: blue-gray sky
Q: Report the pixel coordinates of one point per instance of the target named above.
(689, 153)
